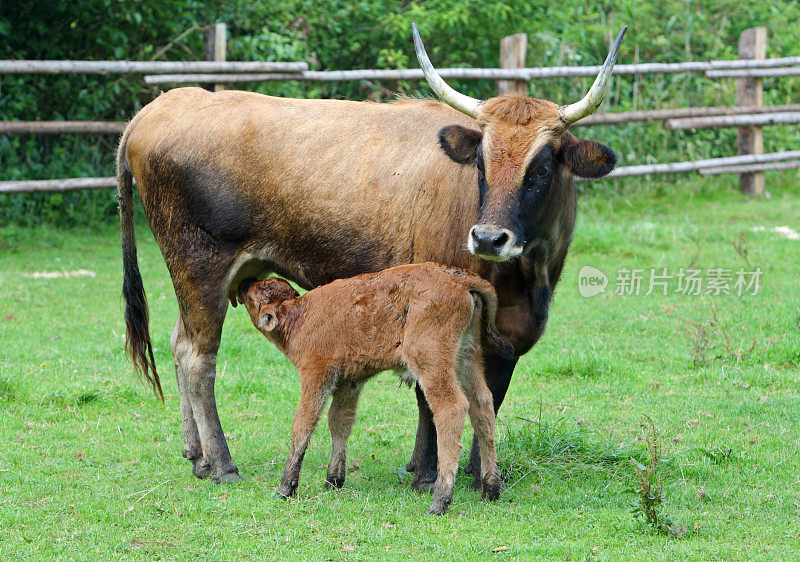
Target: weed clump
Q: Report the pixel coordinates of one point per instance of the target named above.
(651, 495)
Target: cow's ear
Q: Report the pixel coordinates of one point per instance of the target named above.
(459, 143)
(267, 321)
(586, 158)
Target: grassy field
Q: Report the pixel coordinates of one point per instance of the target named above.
(90, 464)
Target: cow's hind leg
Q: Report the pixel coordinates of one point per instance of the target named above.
(341, 416)
(181, 350)
(202, 330)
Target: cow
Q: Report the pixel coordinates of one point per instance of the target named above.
(238, 184)
(426, 322)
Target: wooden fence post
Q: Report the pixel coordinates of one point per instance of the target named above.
(512, 55)
(752, 45)
(214, 41)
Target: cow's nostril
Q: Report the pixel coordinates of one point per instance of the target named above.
(500, 240)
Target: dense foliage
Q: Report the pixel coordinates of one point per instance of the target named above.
(345, 34)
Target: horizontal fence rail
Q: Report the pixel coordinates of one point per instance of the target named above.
(61, 127)
(682, 112)
(750, 168)
(695, 165)
(479, 73)
(289, 70)
(783, 118)
(31, 186)
(142, 67)
(755, 73)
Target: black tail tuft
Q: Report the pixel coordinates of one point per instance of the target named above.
(137, 321)
(137, 316)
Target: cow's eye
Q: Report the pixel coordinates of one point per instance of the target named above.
(544, 171)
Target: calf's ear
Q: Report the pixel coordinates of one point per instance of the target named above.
(267, 321)
(459, 143)
(586, 158)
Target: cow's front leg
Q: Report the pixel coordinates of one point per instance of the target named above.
(425, 457)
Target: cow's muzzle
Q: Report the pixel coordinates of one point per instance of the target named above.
(491, 242)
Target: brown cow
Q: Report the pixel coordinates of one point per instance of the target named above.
(426, 322)
(237, 185)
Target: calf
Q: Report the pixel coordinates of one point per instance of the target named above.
(426, 322)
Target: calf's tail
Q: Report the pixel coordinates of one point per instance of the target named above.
(137, 317)
(490, 337)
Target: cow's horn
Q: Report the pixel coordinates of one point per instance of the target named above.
(591, 101)
(463, 103)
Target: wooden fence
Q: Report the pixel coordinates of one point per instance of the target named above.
(749, 115)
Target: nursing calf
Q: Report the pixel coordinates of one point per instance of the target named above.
(426, 322)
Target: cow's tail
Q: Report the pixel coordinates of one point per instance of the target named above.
(490, 337)
(137, 316)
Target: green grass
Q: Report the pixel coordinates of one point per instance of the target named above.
(90, 463)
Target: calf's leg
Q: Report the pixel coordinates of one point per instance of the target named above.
(313, 395)
(497, 372)
(341, 416)
(449, 406)
(423, 460)
(481, 414)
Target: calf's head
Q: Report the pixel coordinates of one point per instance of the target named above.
(266, 301)
(522, 153)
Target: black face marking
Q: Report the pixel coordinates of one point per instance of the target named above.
(519, 209)
(535, 186)
(540, 170)
(483, 187)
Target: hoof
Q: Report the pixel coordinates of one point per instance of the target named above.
(285, 491)
(423, 485)
(192, 453)
(411, 466)
(201, 468)
(438, 508)
(424, 479)
(232, 476)
(334, 482)
(491, 490)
